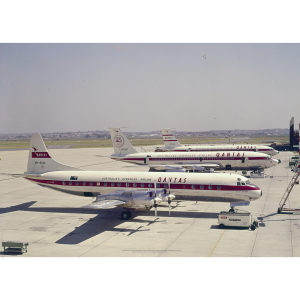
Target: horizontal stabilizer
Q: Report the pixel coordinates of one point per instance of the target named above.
(104, 203)
(115, 157)
(23, 175)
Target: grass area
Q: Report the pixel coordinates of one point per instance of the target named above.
(100, 143)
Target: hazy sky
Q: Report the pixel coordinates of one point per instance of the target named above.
(145, 87)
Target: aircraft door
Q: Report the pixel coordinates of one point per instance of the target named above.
(147, 159)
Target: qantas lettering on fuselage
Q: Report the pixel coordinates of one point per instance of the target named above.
(228, 154)
(180, 180)
(245, 147)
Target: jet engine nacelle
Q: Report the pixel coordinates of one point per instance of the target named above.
(174, 169)
(198, 168)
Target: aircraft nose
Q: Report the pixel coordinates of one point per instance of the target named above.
(256, 194)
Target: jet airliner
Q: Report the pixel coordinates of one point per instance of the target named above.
(172, 144)
(192, 161)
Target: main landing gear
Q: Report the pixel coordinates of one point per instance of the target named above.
(126, 215)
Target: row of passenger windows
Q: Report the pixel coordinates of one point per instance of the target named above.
(209, 187)
(146, 185)
(149, 185)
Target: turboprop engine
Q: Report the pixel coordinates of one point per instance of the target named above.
(138, 199)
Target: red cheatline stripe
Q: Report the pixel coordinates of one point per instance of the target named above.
(170, 140)
(192, 158)
(175, 186)
(167, 134)
(139, 159)
(222, 150)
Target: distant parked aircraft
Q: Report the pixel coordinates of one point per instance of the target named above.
(171, 143)
(192, 161)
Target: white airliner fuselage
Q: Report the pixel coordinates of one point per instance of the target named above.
(134, 190)
(224, 160)
(223, 148)
(185, 186)
(172, 144)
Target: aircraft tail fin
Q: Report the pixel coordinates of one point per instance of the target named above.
(169, 139)
(39, 160)
(122, 145)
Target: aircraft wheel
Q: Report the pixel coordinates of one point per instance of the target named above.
(221, 226)
(253, 227)
(125, 215)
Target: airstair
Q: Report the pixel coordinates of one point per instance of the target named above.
(287, 193)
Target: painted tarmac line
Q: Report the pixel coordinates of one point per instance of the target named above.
(216, 244)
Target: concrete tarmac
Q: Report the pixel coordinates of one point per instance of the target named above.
(55, 224)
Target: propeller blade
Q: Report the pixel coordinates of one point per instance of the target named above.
(155, 210)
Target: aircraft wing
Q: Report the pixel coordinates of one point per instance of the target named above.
(104, 203)
(183, 167)
(214, 166)
(112, 157)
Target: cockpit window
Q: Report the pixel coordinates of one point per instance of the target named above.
(244, 182)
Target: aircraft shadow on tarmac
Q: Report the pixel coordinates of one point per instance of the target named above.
(106, 219)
